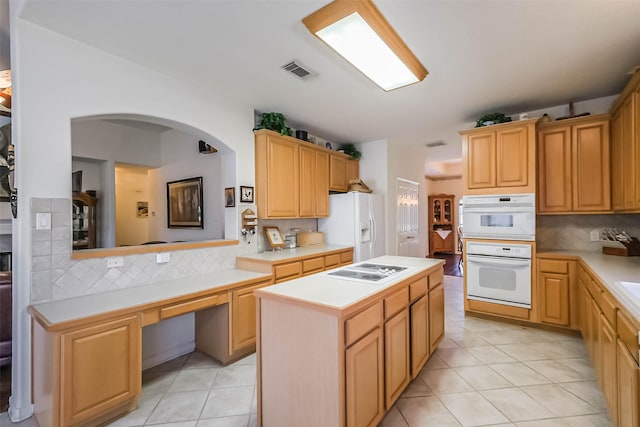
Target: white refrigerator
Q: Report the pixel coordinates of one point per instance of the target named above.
(356, 219)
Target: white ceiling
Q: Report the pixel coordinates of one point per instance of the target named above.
(482, 57)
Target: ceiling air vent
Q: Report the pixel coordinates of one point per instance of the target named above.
(297, 69)
(435, 144)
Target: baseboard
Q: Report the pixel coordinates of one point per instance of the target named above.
(19, 414)
(169, 354)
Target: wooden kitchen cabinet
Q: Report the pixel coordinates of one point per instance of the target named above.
(364, 370)
(243, 318)
(625, 148)
(314, 182)
(436, 317)
(573, 166)
(609, 382)
(500, 158)
(419, 334)
(341, 170)
(628, 384)
(558, 292)
(441, 218)
(396, 356)
(84, 211)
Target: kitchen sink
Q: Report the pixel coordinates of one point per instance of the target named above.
(632, 287)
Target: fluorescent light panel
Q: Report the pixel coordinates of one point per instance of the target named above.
(361, 35)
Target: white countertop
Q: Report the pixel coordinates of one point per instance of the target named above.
(61, 311)
(335, 293)
(611, 269)
(284, 254)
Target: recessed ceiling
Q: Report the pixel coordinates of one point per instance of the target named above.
(482, 57)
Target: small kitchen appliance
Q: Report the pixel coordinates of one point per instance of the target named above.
(502, 217)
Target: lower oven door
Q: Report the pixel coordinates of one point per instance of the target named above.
(500, 280)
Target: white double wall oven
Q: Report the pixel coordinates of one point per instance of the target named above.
(499, 272)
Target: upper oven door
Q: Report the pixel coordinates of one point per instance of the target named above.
(501, 222)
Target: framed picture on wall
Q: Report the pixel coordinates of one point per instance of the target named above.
(246, 194)
(184, 203)
(143, 210)
(76, 181)
(229, 197)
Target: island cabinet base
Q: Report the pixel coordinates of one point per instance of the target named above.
(322, 362)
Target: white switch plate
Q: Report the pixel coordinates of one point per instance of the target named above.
(595, 235)
(115, 262)
(43, 220)
(163, 257)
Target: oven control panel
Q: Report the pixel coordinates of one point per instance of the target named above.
(513, 250)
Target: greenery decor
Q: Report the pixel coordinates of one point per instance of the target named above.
(350, 149)
(274, 121)
(492, 119)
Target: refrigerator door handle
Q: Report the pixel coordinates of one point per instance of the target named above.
(374, 231)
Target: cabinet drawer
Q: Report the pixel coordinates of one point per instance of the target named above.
(418, 288)
(608, 307)
(436, 278)
(596, 292)
(553, 266)
(312, 265)
(396, 302)
(288, 271)
(331, 261)
(628, 334)
(188, 307)
(363, 322)
(346, 257)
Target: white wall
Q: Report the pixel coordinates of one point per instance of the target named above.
(86, 84)
(132, 186)
(449, 186)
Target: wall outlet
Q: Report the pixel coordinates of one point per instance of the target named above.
(595, 235)
(163, 257)
(115, 262)
(43, 220)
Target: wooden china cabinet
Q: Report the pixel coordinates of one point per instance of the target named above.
(84, 220)
(441, 223)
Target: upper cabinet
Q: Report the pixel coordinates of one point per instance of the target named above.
(573, 166)
(499, 159)
(625, 148)
(293, 177)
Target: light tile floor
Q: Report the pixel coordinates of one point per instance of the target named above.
(483, 373)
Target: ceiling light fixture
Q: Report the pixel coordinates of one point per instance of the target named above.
(360, 34)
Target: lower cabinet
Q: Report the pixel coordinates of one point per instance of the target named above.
(243, 318)
(627, 388)
(419, 334)
(365, 381)
(436, 316)
(608, 380)
(396, 356)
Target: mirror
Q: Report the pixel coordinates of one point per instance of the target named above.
(125, 162)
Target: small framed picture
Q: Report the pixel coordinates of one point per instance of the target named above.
(274, 237)
(76, 181)
(229, 197)
(143, 210)
(246, 194)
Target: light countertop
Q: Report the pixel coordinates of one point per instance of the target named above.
(338, 294)
(70, 309)
(609, 269)
(285, 254)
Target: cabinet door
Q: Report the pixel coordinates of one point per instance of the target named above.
(243, 318)
(101, 369)
(635, 126)
(627, 388)
(481, 160)
(584, 307)
(554, 170)
(307, 181)
(590, 161)
(554, 298)
(512, 158)
(436, 316)
(337, 173)
(396, 356)
(617, 163)
(596, 348)
(322, 184)
(628, 154)
(365, 381)
(283, 178)
(609, 383)
(419, 334)
(353, 170)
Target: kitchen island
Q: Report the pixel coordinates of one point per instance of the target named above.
(339, 352)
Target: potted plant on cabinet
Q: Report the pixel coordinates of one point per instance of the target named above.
(274, 121)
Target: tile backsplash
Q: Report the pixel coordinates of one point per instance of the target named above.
(573, 232)
(54, 275)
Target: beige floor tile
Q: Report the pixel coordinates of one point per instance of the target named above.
(467, 340)
(236, 421)
(490, 354)
(553, 422)
(447, 343)
(417, 388)
(235, 375)
(157, 382)
(516, 405)
(194, 379)
(582, 365)
(455, 357)
(553, 350)
(6, 421)
(518, 336)
(597, 420)
(426, 412)
(183, 406)
(226, 402)
(249, 360)
(178, 424)
(522, 352)
(589, 392)
(471, 409)
(442, 381)
(138, 417)
(519, 374)
(482, 377)
(201, 360)
(434, 362)
(559, 401)
(393, 419)
(555, 371)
